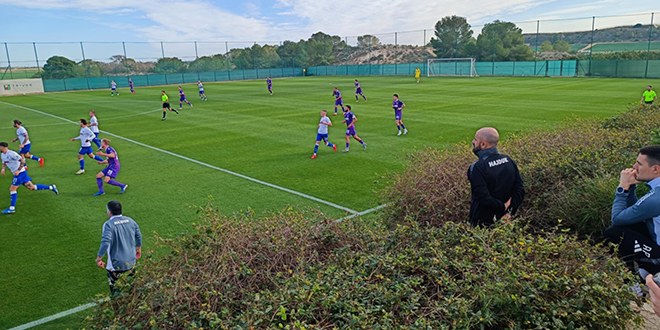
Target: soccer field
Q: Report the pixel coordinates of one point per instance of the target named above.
(48, 247)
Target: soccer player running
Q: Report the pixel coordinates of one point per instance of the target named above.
(322, 133)
(648, 97)
(269, 82)
(339, 101)
(94, 126)
(202, 94)
(130, 84)
(16, 164)
(350, 119)
(358, 91)
(398, 106)
(86, 136)
(110, 172)
(113, 88)
(165, 100)
(418, 72)
(25, 144)
(182, 98)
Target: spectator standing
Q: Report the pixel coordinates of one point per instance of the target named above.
(122, 242)
(497, 187)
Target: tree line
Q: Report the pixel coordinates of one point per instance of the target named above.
(453, 37)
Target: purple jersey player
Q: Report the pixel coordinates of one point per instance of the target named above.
(398, 105)
(130, 84)
(110, 172)
(358, 91)
(339, 101)
(270, 85)
(182, 98)
(350, 119)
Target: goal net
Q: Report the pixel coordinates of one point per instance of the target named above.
(451, 67)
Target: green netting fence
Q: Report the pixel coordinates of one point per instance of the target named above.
(561, 68)
(71, 84)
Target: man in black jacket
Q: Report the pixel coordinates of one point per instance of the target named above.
(497, 188)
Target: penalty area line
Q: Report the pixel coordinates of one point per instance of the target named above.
(293, 192)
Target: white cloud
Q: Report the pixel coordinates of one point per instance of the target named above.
(348, 17)
(174, 20)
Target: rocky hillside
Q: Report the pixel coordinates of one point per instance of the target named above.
(385, 54)
(632, 33)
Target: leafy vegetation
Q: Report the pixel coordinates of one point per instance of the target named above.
(563, 168)
(298, 270)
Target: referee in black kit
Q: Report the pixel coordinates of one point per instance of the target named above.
(497, 188)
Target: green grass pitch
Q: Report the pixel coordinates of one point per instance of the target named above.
(48, 247)
(623, 46)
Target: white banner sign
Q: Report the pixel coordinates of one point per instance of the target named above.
(21, 86)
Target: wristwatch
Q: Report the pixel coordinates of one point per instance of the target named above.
(620, 190)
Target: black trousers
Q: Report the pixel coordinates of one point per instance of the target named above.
(113, 276)
(635, 245)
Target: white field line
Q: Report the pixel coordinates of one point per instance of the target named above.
(90, 305)
(104, 119)
(56, 316)
(198, 162)
(362, 213)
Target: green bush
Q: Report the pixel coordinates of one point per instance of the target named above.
(434, 188)
(295, 270)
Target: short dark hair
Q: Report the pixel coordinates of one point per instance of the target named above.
(4, 144)
(83, 120)
(114, 207)
(17, 122)
(652, 154)
(348, 106)
(397, 95)
(650, 86)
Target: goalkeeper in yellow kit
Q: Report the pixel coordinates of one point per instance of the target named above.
(417, 73)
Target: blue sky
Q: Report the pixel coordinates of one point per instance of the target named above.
(273, 20)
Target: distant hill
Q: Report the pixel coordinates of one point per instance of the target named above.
(632, 33)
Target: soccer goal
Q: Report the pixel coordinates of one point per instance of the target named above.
(463, 67)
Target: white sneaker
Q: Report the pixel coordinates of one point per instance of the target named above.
(399, 133)
(405, 132)
(345, 150)
(80, 172)
(365, 146)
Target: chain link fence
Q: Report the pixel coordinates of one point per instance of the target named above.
(608, 46)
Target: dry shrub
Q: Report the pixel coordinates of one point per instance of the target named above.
(434, 188)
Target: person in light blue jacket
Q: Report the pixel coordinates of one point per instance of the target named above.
(636, 222)
(122, 242)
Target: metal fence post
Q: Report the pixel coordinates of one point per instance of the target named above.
(228, 61)
(536, 49)
(162, 50)
(254, 60)
(11, 74)
(648, 52)
(197, 58)
(494, 39)
(128, 72)
(370, 42)
(346, 58)
(36, 57)
(426, 55)
(82, 51)
(591, 49)
(456, 47)
(396, 62)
